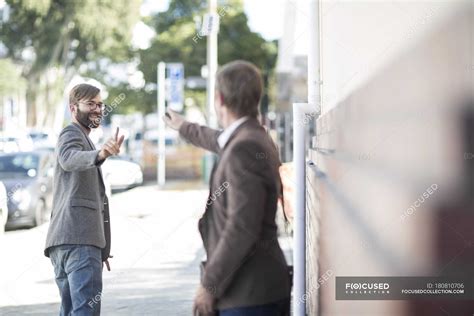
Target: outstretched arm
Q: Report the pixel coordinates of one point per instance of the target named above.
(201, 136)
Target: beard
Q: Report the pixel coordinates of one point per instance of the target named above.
(88, 120)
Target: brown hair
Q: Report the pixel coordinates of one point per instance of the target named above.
(240, 84)
(82, 91)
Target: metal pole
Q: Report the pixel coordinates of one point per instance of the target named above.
(300, 110)
(299, 233)
(211, 56)
(287, 132)
(161, 167)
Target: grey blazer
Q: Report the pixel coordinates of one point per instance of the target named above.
(80, 213)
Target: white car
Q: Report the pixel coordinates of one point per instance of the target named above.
(42, 139)
(122, 173)
(12, 144)
(3, 207)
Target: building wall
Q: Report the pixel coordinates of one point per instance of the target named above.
(382, 144)
(359, 37)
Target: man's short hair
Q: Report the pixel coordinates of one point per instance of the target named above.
(240, 85)
(82, 91)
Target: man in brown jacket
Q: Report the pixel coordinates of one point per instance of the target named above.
(246, 272)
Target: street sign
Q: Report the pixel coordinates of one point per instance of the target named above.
(175, 86)
(210, 24)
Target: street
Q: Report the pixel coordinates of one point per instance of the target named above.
(155, 269)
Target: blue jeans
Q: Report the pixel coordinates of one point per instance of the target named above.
(78, 271)
(280, 308)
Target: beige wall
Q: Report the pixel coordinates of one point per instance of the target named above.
(359, 37)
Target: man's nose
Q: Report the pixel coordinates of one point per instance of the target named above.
(97, 110)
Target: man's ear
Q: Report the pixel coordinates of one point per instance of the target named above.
(219, 96)
(72, 108)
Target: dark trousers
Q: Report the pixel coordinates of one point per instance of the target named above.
(280, 308)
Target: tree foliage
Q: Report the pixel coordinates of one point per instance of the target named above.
(60, 38)
(179, 40)
(65, 34)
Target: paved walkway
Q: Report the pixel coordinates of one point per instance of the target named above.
(156, 248)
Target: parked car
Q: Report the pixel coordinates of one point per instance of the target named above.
(3, 207)
(42, 139)
(121, 172)
(28, 178)
(11, 144)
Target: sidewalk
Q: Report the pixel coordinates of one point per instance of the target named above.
(155, 269)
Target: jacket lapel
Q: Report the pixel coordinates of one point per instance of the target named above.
(92, 147)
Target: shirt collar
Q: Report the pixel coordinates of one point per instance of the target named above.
(227, 133)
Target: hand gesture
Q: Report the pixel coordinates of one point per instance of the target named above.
(112, 146)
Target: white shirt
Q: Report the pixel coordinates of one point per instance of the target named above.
(227, 133)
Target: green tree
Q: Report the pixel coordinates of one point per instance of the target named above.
(136, 100)
(53, 38)
(178, 40)
(10, 78)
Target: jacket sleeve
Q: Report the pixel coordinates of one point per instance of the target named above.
(200, 136)
(71, 153)
(246, 196)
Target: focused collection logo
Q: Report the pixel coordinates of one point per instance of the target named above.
(367, 288)
(404, 288)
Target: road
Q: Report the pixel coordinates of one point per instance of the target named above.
(155, 269)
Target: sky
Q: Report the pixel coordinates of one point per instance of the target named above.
(258, 13)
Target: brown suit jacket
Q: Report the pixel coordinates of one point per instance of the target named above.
(245, 264)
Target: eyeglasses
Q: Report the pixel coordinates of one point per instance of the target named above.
(93, 105)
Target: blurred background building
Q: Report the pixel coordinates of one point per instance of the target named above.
(396, 120)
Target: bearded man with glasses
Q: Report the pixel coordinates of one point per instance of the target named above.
(78, 240)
